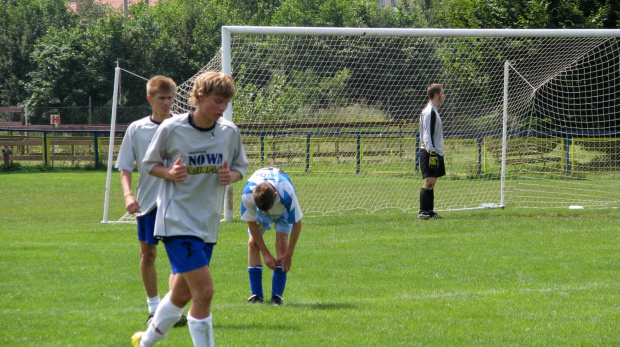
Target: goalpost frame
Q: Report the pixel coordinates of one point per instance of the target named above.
(225, 63)
(229, 31)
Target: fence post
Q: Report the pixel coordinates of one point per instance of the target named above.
(45, 148)
(96, 147)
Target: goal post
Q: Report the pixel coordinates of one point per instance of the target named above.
(529, 120)
(529, 113)
(108, 182)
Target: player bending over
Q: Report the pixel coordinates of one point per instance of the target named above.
(269, 197)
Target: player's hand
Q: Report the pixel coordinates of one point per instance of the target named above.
(178, 171)
(270, 261)
(433, 159)
(131, 204)
(225, 174)
(285, 261)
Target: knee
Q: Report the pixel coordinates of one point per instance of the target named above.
(180, 298)
(252, 246)
(204, 295)
(148, 255)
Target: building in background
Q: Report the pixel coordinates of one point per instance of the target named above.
(116, 4)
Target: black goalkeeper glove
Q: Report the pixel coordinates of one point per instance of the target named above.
(432, 159)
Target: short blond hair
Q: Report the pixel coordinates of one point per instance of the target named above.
(160, 84)
(212, 82)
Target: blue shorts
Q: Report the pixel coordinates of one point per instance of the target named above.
(187, 253)
(146, 228)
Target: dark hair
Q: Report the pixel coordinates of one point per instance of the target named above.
(433, 90)
(264, 196)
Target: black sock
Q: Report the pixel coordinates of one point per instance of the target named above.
(426, 200)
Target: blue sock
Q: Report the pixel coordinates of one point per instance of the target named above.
(279, 282)
(256, 280)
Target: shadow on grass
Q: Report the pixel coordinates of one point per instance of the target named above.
(258, 326)
(323, 305)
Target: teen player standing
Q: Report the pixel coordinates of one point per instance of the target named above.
(197, 154)
(431, 151)
(269, 197)
(160, 92)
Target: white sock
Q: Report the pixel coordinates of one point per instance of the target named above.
(201, 331)
(153, 302)
(166, 316)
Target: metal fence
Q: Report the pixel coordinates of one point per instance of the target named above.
(58, 148)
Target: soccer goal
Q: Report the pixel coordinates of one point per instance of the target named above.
(530, 118)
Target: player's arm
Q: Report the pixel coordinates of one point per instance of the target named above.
(131, 203)
(177, 173)
(286, 259)
(426, 129)
(257, 237)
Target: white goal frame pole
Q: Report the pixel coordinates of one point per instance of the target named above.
(106, 206)
(504, 135)
(227, 69)
(227, 31)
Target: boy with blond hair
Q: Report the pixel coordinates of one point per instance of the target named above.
(197, 154)
(160, 91)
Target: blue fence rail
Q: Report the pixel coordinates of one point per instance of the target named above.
(91, 147)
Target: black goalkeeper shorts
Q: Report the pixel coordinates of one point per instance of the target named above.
(439, 171)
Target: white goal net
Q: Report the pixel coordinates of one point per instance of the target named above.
(530, 117)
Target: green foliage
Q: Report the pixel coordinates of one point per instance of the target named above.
(22, 23)
(60, 78)
(11, 167)
(52, 56)
(522, 14)
(284, 99)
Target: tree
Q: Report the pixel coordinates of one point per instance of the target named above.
(22, 23)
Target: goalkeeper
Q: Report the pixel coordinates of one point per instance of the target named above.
(431, 150)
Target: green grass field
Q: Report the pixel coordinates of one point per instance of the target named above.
(475, 278)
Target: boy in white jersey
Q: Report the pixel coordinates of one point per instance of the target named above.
(269, 197)
(197, 154)
(160, 92)
(431, 150)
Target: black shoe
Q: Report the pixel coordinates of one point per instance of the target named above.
(181, 322)
(255, 299)
(424, 215)
(435, 215)
(148, 320)
(276, 300)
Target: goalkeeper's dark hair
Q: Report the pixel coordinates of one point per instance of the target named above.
(433, 90)
(264, 196)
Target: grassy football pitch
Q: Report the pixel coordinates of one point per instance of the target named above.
(475, 278)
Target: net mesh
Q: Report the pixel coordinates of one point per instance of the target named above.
(340, 114)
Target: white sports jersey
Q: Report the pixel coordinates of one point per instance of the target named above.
(431, 130)
(133, 148)
(286, 207)
(194, 207)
